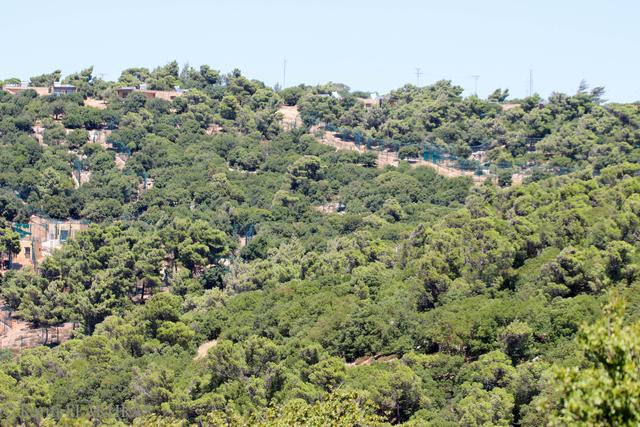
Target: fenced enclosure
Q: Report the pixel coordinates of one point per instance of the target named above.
(16, 333)
(443, 156)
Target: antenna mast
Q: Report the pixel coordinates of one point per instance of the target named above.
(284, 74)
(418, 74)
(475, 79)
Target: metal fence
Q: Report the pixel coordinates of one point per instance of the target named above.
(443, 155)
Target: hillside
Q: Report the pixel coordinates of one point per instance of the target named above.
(232, 266)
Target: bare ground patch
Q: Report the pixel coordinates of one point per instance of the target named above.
(290, 116)
(204, 349)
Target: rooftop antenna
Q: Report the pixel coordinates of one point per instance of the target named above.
(418, 74)
(284, 74)
(475, 79)
(531, 82)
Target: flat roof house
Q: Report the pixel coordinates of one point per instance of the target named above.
(373, 101)
(63, 89)
(57, 89)
(41, 236)
(123, 92)
(15, 89)
(167, 95)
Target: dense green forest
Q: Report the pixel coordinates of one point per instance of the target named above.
(419, 300)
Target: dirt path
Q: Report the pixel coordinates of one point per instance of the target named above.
(387, 157)
(332, 140)
(292, 116)
(204, 349)
(448, 171)
(368, 360)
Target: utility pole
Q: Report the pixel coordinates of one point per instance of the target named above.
(475, 79)
(418, 74)
(284, 75)
(531, 82)
(101, 75)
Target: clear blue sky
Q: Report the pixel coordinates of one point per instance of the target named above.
(368, 45)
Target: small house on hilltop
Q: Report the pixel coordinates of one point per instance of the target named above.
(15, 89)
(63, 89)
(373, 101)
(41, 236)
(123, 92)
(57, 89)
(167, 95)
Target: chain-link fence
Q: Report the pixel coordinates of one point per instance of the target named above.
(442, 155)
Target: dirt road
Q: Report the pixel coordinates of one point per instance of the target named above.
(387, 157)
(291, 116)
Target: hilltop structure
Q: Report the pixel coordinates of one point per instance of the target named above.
(167, 95)
(56, 89)
(41, 236)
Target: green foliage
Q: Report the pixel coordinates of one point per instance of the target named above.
(9, 242)
(46, 80)
(605, 390)
(237, 274)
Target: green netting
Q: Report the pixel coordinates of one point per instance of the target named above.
(437, 154)
(120, 147)
(23, 230)
(250, 233)
(468, 165)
